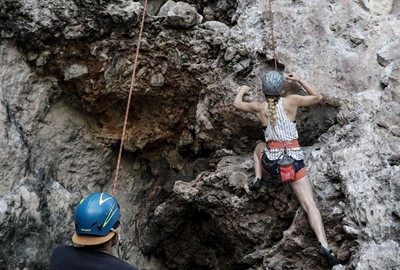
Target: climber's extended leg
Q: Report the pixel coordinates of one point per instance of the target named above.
(303, 191)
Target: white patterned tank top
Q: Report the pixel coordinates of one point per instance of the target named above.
(284, 130)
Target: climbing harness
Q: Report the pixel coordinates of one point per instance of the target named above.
(285, 167)
(129, 99)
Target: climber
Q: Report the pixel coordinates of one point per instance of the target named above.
(280, 155)
(96, 232)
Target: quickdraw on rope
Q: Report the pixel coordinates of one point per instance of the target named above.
(129, 99)
(271, 17)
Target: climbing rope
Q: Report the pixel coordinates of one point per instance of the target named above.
(129, 99)
(271, 18)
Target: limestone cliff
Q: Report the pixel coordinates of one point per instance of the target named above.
(65, 76)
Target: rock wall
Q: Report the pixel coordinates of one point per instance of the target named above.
(65, 76)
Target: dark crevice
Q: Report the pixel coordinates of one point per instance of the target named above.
(394, 161)
(11, 118)
(314, 121)
(212, 10)
(201, 244)
(280, 66)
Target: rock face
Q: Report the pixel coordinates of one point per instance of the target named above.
(65, 76)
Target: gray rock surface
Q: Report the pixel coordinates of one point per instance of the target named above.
(64, 81)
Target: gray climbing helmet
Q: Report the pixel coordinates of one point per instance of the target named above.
(272, 83)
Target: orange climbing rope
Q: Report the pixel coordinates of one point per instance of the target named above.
(129, 99)
(271, 17)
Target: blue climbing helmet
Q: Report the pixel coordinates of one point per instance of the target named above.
(96, 217)
(272, 83)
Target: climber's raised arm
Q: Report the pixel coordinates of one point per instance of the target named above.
(245, 106)
(302, 101)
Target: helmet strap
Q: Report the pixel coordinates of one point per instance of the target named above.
(119, 246)
(117, 241)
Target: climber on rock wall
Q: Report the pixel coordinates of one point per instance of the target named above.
(97, 219)
(281, 155)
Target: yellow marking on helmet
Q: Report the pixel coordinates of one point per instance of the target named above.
(101, 201)
(110, 215)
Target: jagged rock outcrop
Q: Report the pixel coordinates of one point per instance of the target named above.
(65, 76)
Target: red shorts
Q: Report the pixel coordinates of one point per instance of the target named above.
(272, 167)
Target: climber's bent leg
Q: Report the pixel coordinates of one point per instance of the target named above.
(258, 151)
(256, 182)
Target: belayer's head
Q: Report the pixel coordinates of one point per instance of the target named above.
(272, 83)
(96, 219)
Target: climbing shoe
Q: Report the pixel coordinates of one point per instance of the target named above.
(255, 184)
(328, 254)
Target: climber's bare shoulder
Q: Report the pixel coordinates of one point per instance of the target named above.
(253, 107)
(296, 101)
